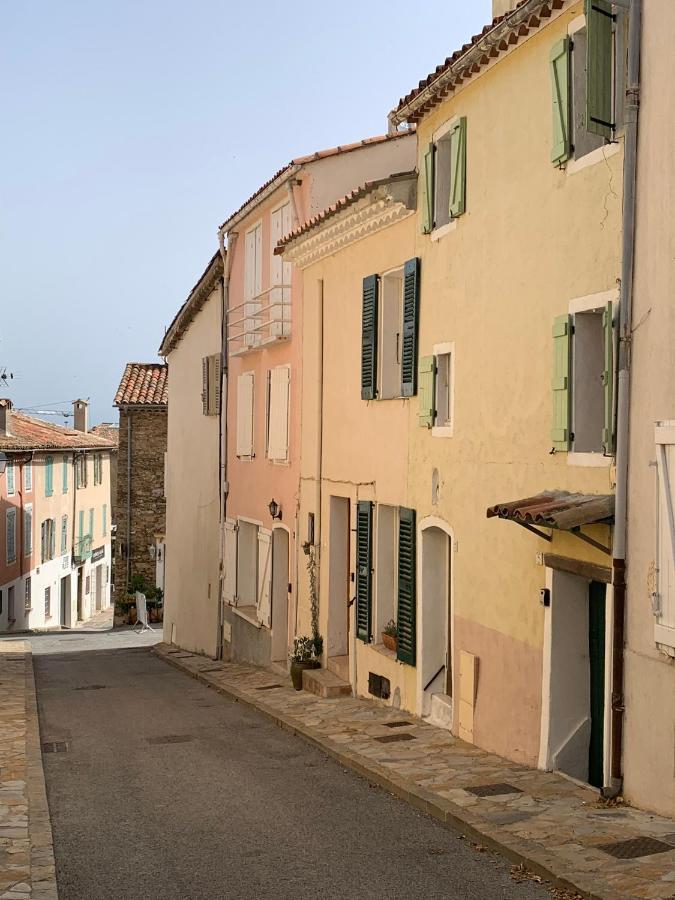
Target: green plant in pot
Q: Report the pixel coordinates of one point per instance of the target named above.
(390, 635)
(302, 656)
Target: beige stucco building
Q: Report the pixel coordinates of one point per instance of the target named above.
(192, 347)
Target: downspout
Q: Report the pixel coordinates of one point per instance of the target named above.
(623, 394)
(319, 454)
(128, 413)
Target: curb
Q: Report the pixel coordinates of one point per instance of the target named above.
(444, 811)
(42, 863)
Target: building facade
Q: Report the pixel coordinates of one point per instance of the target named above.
(55, 546)
(141, 507)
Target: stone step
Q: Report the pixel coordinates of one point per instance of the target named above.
(339, 665)
(325, 684)
(440, 713)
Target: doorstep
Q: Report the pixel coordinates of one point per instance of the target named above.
(325, 684)
(535, 819)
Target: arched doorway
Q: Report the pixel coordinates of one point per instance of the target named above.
(435, 637)
(280, 579)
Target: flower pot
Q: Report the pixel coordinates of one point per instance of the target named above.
(390, 642)
(297, 668)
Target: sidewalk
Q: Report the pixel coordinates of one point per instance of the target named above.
(26, 855)
(536, 819)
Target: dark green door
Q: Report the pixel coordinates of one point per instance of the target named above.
(596, 652)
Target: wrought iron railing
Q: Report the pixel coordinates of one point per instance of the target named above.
(82, 550)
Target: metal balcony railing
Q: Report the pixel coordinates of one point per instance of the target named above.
(82, 549)
(264, 319)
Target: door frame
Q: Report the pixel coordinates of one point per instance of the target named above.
(424, 525)
(274, 648)
(331, 607)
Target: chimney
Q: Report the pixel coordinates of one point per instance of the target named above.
(5, 417)
(81, 415)
(499, 7)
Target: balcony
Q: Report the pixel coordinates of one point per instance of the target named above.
(82, 549)
(260, 321)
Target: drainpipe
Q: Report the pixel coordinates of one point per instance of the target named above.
(623, 393)
(128, 500)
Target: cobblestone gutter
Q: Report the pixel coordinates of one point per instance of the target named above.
(538, 820)
(27, 869)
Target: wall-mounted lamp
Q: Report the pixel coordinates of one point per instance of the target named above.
(152, 551)
(3, 463)
(275, 509)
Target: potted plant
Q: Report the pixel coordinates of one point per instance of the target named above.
(302, 656)
(390, 635)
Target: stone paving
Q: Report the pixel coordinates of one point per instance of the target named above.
(552, 826)
(27, 869)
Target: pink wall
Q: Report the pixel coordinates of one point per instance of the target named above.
(23, 564)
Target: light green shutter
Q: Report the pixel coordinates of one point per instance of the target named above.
(49, 476)
(406, 609)
(104, 520)
(599, 94)
(81, 525)
(458, 169)
(364, 567)
(560, 88)
(608, 381)
(560, 384)
(427, 391)
(428, 180)
(91, 524)
(369, 338)
(64, 533)
(64, 475)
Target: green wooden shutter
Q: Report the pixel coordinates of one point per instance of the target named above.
(560, 384)
(599, 64)
(49, 476)
(369, 338)
(427, 391)
(428, 183)
(64, 474)
(104, 520)
(560, 88)
(80, 529)
(407, 578)
(364, 567)
(52, 538)
(64, 533)
(91, 524)
(608, 381)
(411, 306)
(458, 169)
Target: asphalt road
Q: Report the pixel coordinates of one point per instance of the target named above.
(169, 790)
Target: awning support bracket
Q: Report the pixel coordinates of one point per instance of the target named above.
(541, 534)
(589, 540)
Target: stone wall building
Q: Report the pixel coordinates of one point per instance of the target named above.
(141, 507)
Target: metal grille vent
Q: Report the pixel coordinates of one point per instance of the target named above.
(492, 790)
(55, 747)
(396, 724)
(170, 739)
(268, 687)
(92, 687)
(391, 738)
(635, 848)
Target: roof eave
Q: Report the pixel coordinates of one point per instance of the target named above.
(284, 175)
(201, 290)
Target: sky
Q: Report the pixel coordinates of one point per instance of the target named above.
(132, 129)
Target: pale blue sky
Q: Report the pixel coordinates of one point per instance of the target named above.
(131, 129)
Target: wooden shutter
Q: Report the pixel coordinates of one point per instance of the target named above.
(230, 561)
(10, 478)
(427, 391)
(411, 284)
(43, 541)
(458, 169)
(369, 338)
(217, 382)
(91, 524)
(407, 586)
(664, 597)
(264, 600)
(64, 533)
(278, 413)
(560, 383)
(104, 520)
(428, 190)
(27, 530)
(28, 477)
(49, 476)
(205, 385)
(245, 415)
(364, 567)
(52, 538)
(81, 525)
(64, 475)
(608, 381)
(599, 65)
(560, 89)
(11, 535)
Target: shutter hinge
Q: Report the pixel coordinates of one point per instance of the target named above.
(235, 528)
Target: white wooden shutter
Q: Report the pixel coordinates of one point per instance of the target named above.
(230, 561)
(217, 383)
(264, 600)
(276, 264)
(245, 415)
(278, 413)
(664, 605)
(251, 285)
(205, 385)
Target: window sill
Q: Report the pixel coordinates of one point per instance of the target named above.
(248, 614)
(384, 651)
(441, 232)
(442, 431)
(589, 460)
(600, 154)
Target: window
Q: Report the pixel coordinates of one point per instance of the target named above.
(64, 534)
(48, 603)
(436, 376)
(584, 77)
(98, 468)
(583, 381)
(663, 590)
(11, 535)
(27, 595)
(390, 315)
(10, 604)
(64, 474)
(48, 539)
(245, 399)
(49, 476)
(10, 477)
(211, 381)
(252, 285)
(28, 477)
(81, 471)
(444, 176)
(280, 276)
(28, 529)
(104, 519)
(277, 413)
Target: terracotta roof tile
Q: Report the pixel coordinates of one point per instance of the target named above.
(107, 431)
(143, 384)
(557, 509)
(28, 433)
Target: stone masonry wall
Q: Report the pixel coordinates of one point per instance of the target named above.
(148, 506)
